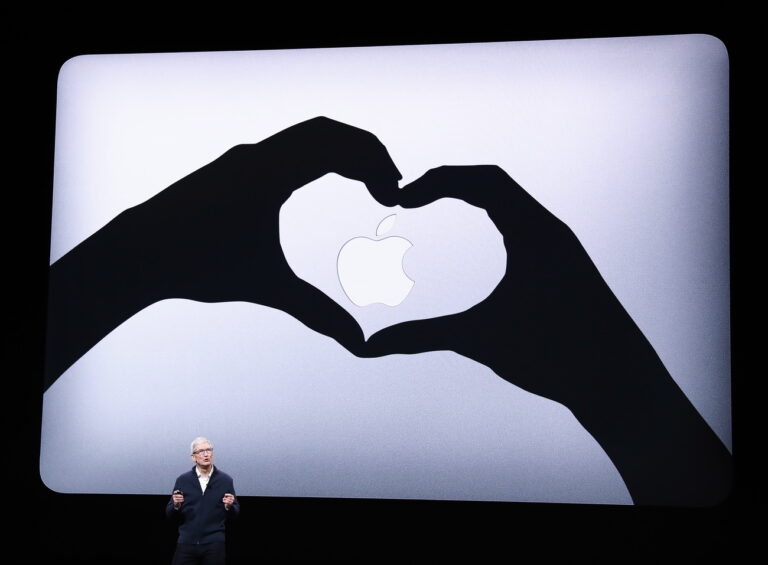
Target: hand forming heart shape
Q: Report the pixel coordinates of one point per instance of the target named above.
(551, 325)
(213, 236)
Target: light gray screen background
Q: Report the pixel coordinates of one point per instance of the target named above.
(625, 140)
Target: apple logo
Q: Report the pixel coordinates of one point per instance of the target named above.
(371, 270)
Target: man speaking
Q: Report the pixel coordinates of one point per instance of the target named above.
(203, 501)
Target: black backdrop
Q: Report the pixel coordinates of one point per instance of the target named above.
(117, 529)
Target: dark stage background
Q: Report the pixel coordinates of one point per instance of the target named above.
(117, 529)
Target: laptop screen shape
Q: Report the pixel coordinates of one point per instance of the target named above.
(623, 140)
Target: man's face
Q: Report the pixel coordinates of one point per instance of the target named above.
(203, 455)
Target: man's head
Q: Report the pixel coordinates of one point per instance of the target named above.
(201, 451)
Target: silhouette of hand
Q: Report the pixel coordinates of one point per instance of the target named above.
(545, 315)
(213, 236)
(553, 327)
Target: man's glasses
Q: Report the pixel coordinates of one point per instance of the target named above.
(203, 451)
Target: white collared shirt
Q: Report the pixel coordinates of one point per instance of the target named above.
(203, 478)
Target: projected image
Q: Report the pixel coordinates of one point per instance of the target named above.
(463, 272)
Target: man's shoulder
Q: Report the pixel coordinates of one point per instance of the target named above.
(221, 474)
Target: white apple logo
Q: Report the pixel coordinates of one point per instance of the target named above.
(371, 270)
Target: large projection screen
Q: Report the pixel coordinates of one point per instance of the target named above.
(625, 140)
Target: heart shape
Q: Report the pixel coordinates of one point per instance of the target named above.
(456, 260)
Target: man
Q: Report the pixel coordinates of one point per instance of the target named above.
(203, 501)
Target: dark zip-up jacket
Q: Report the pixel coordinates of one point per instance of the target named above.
(202, 516)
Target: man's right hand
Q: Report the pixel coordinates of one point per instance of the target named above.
(178, 499)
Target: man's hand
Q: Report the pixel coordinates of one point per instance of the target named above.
(228, 500)
(178, 499)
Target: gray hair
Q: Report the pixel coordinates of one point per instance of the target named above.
(198, 441)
